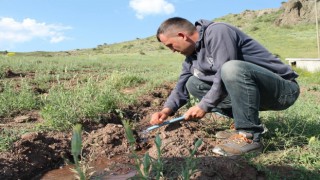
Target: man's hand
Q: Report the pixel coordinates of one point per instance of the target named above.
(159, 117)
(194, 113)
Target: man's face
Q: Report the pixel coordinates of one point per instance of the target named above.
(179, 42)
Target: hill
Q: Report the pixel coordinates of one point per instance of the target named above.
(288, 31)
(297, 12)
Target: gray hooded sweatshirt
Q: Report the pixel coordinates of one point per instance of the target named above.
(217, 44)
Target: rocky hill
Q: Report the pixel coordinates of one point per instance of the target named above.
(297, 11)
(291, 12)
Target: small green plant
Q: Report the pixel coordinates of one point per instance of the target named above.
(82, 169)
(76, 147)
(192, 102)
(147, 165)
(143, 167)
(159, 163)
(190, 167)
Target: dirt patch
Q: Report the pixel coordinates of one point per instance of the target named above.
(108, 141)
(34, 153)
(106, 149)
(10, 74)
(21, 118)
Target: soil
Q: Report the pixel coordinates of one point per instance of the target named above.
(107, 151)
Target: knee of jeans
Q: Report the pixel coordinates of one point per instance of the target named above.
(230, 70)
(190, 86)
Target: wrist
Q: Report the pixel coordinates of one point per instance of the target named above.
(166, 111)
(203, 107)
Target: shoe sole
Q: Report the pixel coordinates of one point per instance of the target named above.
(221, 135)
(221, 152)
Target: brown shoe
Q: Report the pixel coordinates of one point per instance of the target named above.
(227, 133)
(221, 135)
(238, 144)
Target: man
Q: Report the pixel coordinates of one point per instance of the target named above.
(230, 73)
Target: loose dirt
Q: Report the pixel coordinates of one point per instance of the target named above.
(107, 154)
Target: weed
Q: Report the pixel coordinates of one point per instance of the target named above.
(17, 98)
(7, 137)
(64, 107)
(123, 80)
(192, 102)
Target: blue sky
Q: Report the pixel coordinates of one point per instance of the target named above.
(59, 25)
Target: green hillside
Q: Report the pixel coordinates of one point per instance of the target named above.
(141, 46)
(286, 41)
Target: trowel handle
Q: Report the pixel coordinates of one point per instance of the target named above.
(165, 123)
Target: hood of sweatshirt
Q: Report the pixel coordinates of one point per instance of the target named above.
(201, 26)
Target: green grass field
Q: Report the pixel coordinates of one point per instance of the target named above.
(68, 88)
(75, 88)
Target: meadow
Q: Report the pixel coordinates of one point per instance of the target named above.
(68, 89)
(77, 86)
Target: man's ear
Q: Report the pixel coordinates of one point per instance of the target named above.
(183, 35)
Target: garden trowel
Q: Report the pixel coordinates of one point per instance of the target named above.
(164, 123)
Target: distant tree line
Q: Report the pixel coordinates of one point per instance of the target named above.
(4, 52)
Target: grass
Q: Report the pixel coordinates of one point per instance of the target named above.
(14, 99)
(293, 138)
(70, 90)
(74, 89)
(287, 41)
(7, 137)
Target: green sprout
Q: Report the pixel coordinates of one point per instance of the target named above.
(76, 146)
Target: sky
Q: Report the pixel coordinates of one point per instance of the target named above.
(62, 25)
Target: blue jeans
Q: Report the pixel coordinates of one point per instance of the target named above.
(251, 89)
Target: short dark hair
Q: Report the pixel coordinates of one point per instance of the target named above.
(175, 23)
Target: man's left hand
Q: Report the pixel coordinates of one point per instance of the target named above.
(194, 113)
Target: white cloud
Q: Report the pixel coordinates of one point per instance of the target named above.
(12, 31)
(151, 7)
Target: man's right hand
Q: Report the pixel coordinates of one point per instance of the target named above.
(159, 117)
